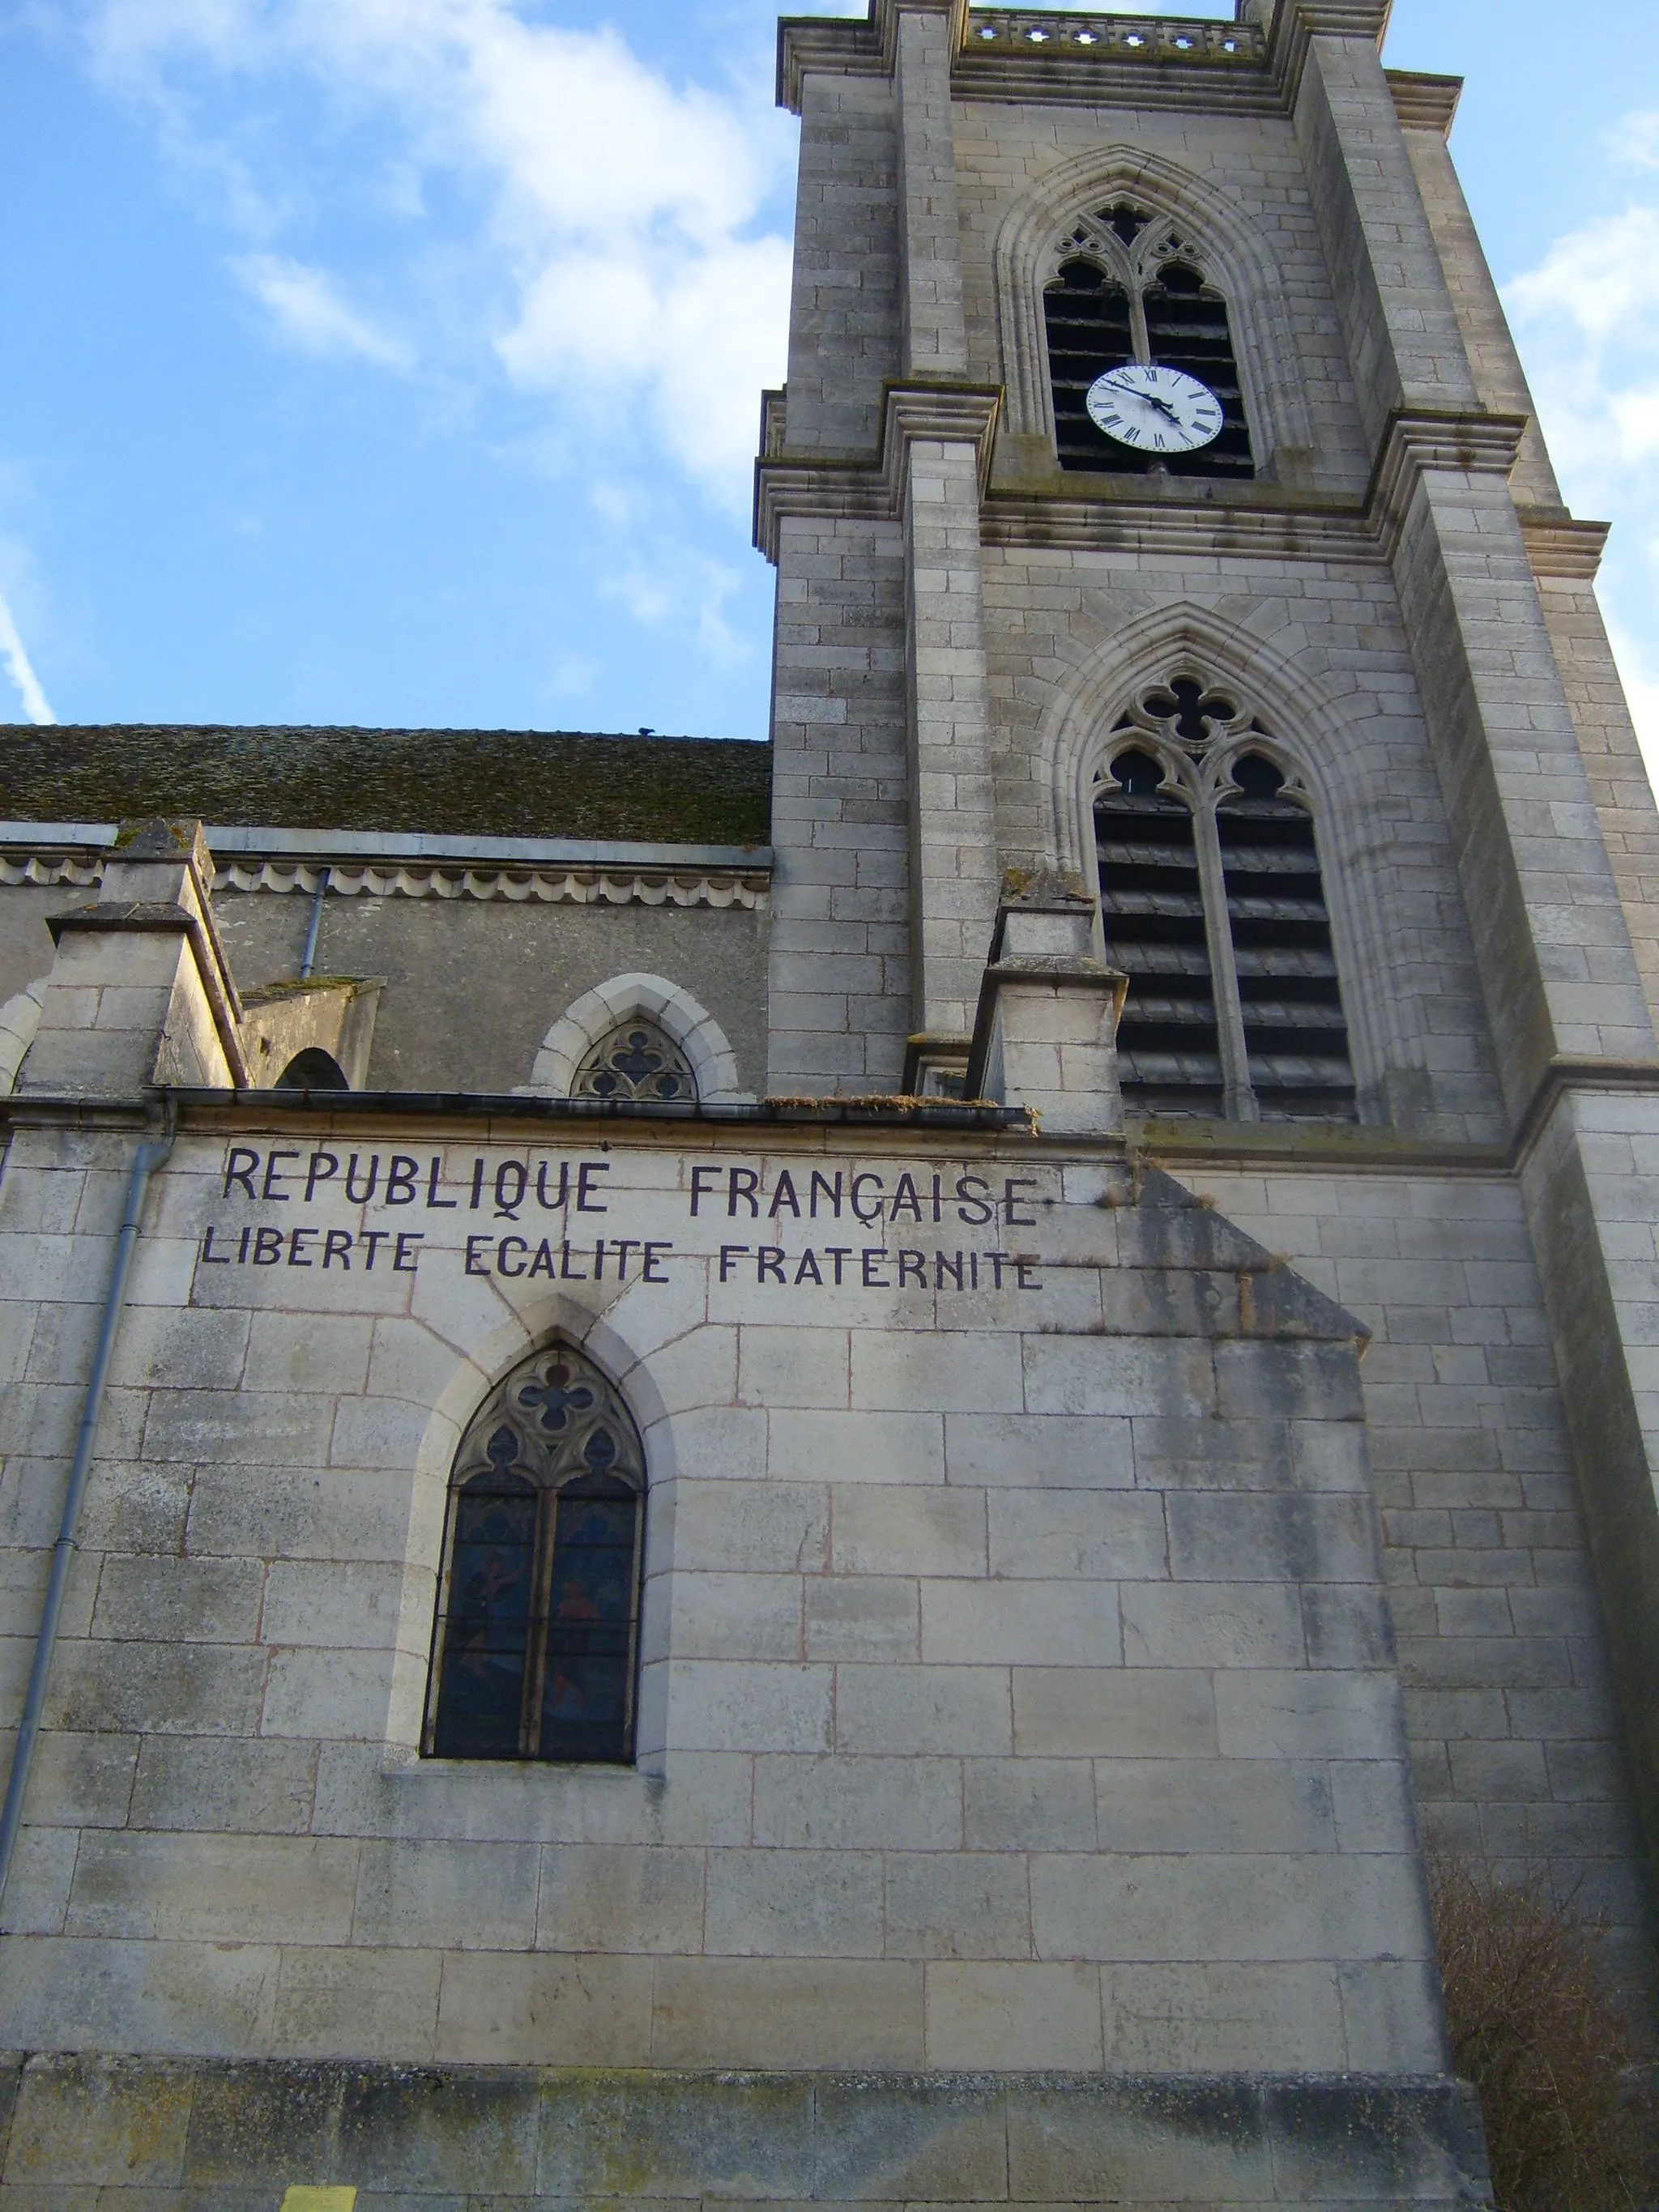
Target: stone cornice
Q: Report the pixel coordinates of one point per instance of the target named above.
(1424, 102)
(1358, 532)
(848, 489)
(1298, 23)
(1421, 439)
(348, 864)
(1156, 61)
(1559, 546)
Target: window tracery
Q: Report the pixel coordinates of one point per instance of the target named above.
(1130, 287)
(637, 1060)
(535, 1644)
(1214, 904)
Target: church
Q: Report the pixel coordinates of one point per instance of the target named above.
(804, 1473)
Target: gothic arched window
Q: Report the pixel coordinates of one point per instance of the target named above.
(535, 1650)
(637, 1060)
(1129, 289)
(1213, 905)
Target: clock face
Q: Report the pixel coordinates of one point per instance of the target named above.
(1155, 410)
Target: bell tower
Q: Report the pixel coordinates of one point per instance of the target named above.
(1299, 722)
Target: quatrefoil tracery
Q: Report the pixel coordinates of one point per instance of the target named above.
(1197, 731)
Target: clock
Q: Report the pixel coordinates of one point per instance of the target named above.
(1155, 410)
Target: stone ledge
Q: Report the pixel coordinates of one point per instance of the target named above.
(172, 2134)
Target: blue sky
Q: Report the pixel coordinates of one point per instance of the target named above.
(399, 361)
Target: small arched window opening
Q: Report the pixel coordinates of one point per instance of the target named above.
(535, 1649)
(637, 1061)
(314, 1069)
(1213, 904)
(1130, 289)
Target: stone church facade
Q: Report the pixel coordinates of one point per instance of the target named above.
(806, 1491)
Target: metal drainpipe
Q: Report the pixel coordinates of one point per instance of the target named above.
(309, 960)
(152, 1154)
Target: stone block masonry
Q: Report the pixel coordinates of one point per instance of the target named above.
(159, 2137)
(988, 1720)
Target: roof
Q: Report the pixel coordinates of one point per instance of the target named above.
(517, 783)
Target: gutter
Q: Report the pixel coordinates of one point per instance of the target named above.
(152, 1154)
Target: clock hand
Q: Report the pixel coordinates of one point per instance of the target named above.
(1163, 405)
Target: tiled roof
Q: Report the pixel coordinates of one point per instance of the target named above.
(503, 783)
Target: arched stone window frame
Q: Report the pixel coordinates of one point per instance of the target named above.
(1205, 781)
(588, 1020)
(631, 1456)
(20, 1017)
(1230, 253)
(1195, 642)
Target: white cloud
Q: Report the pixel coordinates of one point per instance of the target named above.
(309, 312)
(1588, 321)
(617, 236)
(21, 670)
(1634, 139)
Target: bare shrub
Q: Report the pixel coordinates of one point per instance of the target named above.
(1566, 2087)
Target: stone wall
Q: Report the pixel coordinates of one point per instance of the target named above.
(131, 2137)
(1514, 1726)
(1017, 1682)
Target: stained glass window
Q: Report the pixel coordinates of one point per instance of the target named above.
(638, 1059)
(536, 1643)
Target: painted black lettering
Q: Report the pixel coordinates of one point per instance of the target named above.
(552, 1205)
(913, 1268)
(566, 1273)
(443, 1205)
(1010, 1201)
(946, 1263)
(857, 1184)
(299, 1242)
(405, 1257)
(511, 1181)
(742, 1183)
(808, 1270)
(729, 1254)
(588, 1170)
(214, 1258)
(322, 1167)
(838, 1253)
(996, 1260)
(831, 1192)
(267, 1247)
(519, 1249)
(373, 1240)
(274, 1174)
(477, 1186)
(654, 1270)
(872, 1259)
(768, 1264)
(363, 1197)
(242, 1173)
(906, 1203)
(543, 1263)
(973, 1208)
(400, 1179)
(702, 1180)
(336, 1245)
(1025, 1279)
(783, 1196)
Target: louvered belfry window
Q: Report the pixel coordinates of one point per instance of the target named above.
(535, 1645)
(1129, 288)
(1213, 904)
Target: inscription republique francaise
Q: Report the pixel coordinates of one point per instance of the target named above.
(551, 1234)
